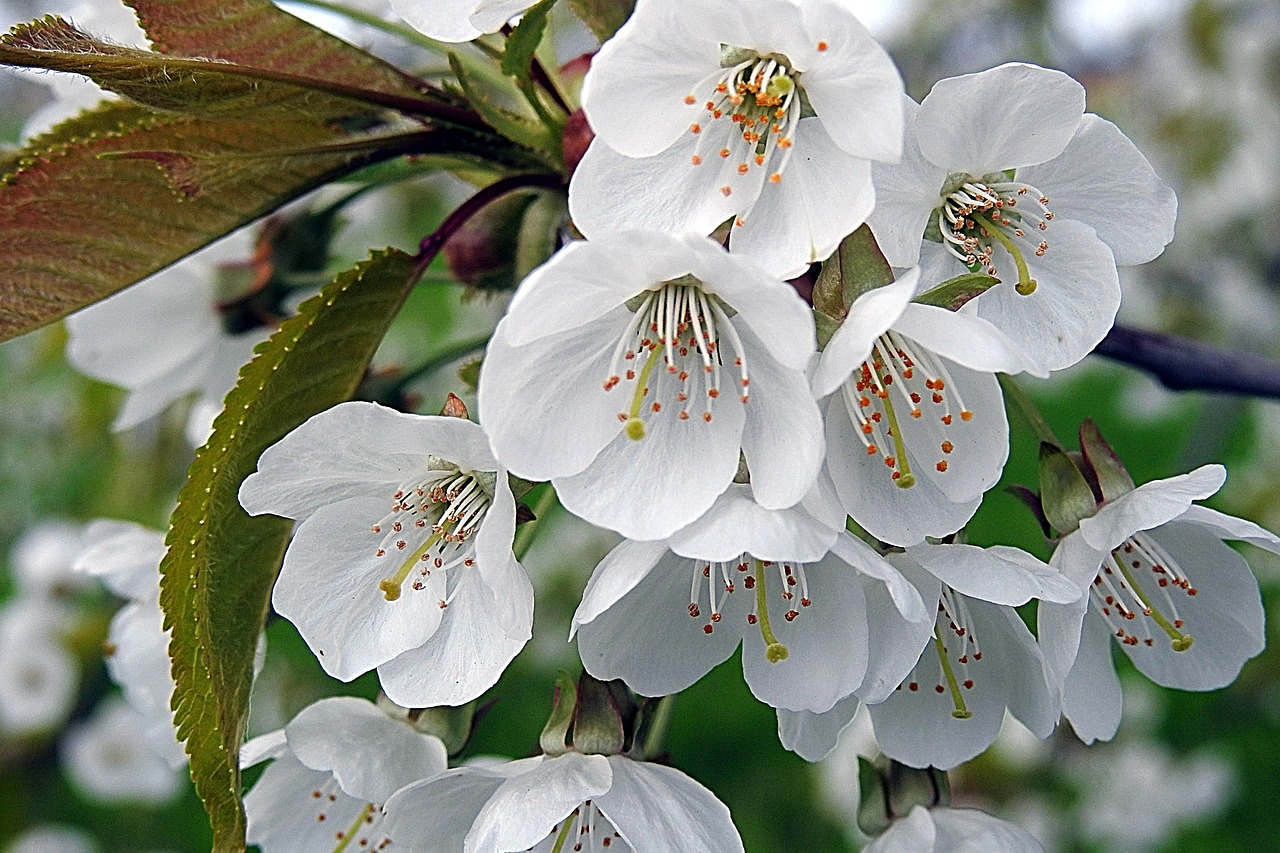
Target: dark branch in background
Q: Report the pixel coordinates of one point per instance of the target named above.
(1186, 365)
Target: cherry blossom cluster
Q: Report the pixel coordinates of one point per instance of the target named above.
(793, 485)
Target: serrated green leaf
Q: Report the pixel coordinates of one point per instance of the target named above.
(259, 33)
(79, 222)
(524, 40)
(217, 575)
(603, 17)
(953, 293)
(202, 86)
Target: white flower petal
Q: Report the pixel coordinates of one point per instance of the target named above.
(999, 574)
(370, 754)
(504, 576)
(648, 638)
(737, 525)
(823, 195)
(965, 339)
(1225, 617)
(124, 555)
(328, 588)
(813, 736)
(866, 560)
(658, 809)
(913, 834)
(443, 20)
(617, 574)
(1149, 505)
(284, 815)
(436, 814)
(894, 642)
(525, 808)
(356, 450)
(1074, 303)
(908, 193)
(665, 480)
(612, 192)
(973, 831)
(1006, 117)
(528, 393)
(853, 85)
(1091, 698)
(826, 642)
(470, 651)
(1102, 180)
(1230, 527)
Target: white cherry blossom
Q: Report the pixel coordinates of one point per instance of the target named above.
(948, 830)
(167, 337)
(1006, 172)
(39, 677)
(819, 614)
(982, 661)
(704, 114)
(42, 558)
(335, 765)
(109, 757)
(915, 421)
(402, 560)
(1160, 581)
(597, 803)
(635, 370)
(458, 20)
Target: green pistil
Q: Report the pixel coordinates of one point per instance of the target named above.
(391, 586)
(353, 829)
(905, 478)
(1180, 641)
(564, 834)
(635, 426)
(774, 651)
(962, 711)
(1026, 284)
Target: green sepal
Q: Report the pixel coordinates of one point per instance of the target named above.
(826, 326)
(452, 725)
(913, 786)
(598, 719)
(554, 739)
(856, 267)
(1109, 473)
(524, 40)
(1065, 494)
(873, 806)
(603, 17)
(953, 293)
(520, 486)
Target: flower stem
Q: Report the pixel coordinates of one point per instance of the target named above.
(1030, 413)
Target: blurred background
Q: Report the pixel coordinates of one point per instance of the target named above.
(1195, 83)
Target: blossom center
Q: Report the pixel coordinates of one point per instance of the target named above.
(955, 644)
(670, 355)
(719, 580)
(925, 391)
(585, 829)
(1136, 588)
(976, 215)
(430, 527)
(750, 108)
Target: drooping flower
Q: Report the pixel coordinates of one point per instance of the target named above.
(109, 757)
(982, 662)
(402, 560)
(458, 20)
(335, 765)
(567, 802)
(1004, 172)
(635, 370)
(947, 830)
(915, 422)
(704, 115)
(819, 614)
(1160, 581)
(169, 336)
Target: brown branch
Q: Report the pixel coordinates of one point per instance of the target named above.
(1182, 364)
